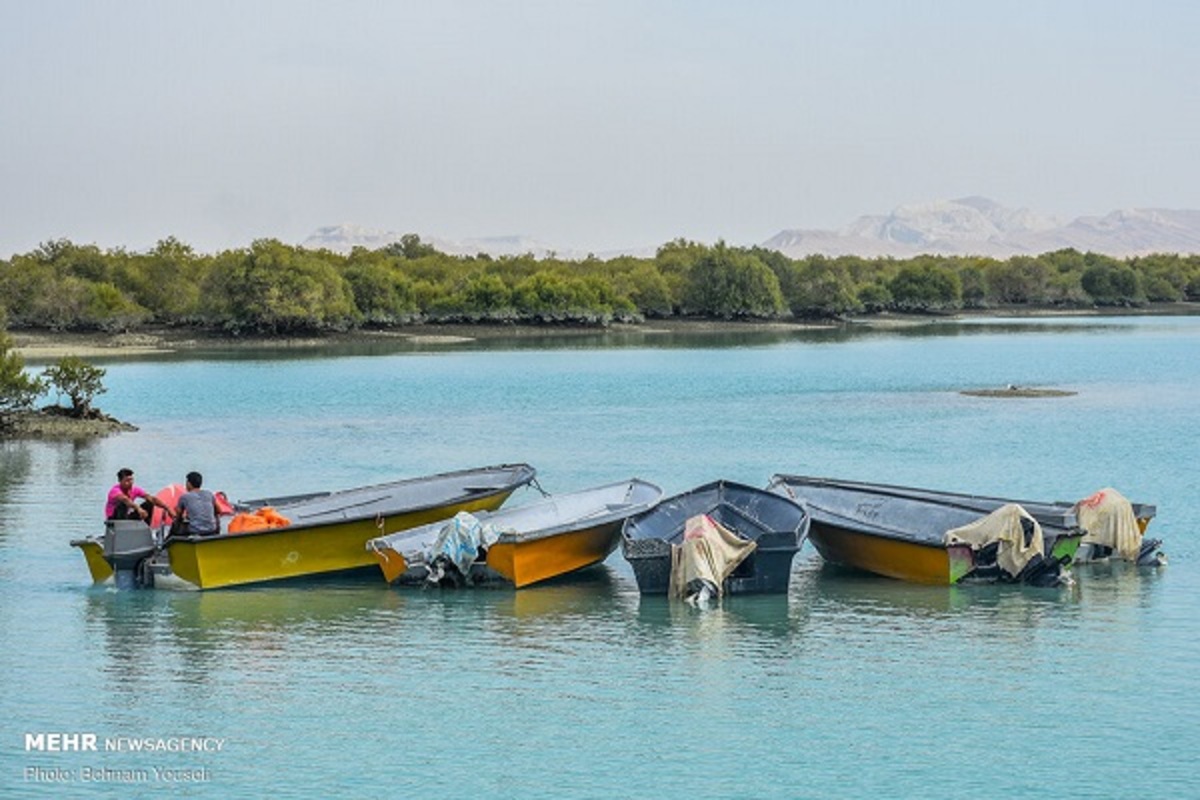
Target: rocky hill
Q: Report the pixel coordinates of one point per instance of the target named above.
(344, 238)
(967, 226)
(978, 226)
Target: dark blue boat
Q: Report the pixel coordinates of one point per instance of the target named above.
(774, 523)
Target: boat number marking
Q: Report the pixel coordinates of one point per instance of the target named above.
(292, 557)
(868, 510)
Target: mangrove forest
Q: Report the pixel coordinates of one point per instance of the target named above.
(275, 288)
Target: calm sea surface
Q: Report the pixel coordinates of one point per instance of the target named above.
(849, 686)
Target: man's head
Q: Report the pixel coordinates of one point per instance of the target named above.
(125, 477)
(195, 480)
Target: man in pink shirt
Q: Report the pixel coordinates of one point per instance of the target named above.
(122, 499)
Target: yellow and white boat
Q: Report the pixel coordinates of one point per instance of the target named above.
(290, 537)
(520, 546)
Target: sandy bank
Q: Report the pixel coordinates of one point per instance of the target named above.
(45, 346)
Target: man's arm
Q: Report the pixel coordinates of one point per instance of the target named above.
(166, 508)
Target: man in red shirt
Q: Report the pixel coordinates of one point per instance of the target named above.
(122, 499)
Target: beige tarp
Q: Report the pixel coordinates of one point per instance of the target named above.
(709, 551)
(1002, 525)
(1109, 520)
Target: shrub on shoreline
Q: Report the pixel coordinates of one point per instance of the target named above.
(276, 289)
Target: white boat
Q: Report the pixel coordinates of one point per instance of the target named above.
(520, 546)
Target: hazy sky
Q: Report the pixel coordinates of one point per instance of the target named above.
(585, 125)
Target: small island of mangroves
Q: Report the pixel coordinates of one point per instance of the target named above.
(1018, 391)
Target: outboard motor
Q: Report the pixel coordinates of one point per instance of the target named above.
(1151, 555)
(701, 593)
(127, 543)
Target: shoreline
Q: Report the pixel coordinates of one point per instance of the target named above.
(46, 345)
(52, 422)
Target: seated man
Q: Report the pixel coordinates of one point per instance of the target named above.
(197, 513)
(123, 499)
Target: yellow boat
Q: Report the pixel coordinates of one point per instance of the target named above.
(318, 533)
(920, 535)
(1113, 526)
(892, 557)
(93, 553)
(524, 545)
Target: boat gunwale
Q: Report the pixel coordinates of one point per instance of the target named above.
(577, 523)
(832, 519)
(1062, 524)
(763, 529)
(520, 466)
(526, 472)
(592, 521)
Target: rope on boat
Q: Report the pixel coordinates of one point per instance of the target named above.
(534, 483)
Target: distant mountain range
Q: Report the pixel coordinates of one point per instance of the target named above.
(967, 226)
(344, 238)
(978, 226)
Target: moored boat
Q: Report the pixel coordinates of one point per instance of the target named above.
(294, 536)
(1112, 525)
(925, 538)
(719, 538)
(524, 545)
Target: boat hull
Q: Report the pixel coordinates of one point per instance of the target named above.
(767, 570)
(900, 533)
(893, 558)
(1054, 516)
(294, 552)
(93, 554)
(527, 562)
(322, 533)
(556, 536)
(776, 525)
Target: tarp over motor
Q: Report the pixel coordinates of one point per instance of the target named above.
(1004, 526)
(460, 542)
(710, 552)
(1109, 520)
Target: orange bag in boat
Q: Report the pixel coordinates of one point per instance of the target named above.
(258, 520)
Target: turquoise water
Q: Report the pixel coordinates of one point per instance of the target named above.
(849, 686)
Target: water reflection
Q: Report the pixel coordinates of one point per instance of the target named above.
(529, 339)
(839, 589)
(78, 460)
(572, 596)
(1119, 585)
(516, 615)
(15, 461)
(845, 599)
(196, 634)
(739, 625)
(771, 614)
(670, 335)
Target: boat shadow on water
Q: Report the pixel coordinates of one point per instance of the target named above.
(580, 593)
(735, 618)
(204, 630)
(827, 589)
